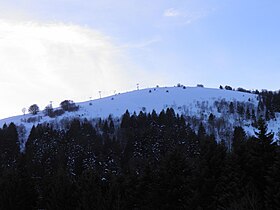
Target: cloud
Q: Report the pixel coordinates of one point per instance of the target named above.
(184, 16)
(55, 61)
(171, 12)
(140, 45)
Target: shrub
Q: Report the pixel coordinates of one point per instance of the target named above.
(69, 106)
(243, 90)
(228, 87)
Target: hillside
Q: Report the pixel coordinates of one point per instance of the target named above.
(195, 103)
(76, 157)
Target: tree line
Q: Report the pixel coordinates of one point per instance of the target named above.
(268, 100)
(143, 161)
(65, 106)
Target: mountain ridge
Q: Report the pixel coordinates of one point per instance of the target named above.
(194, 103)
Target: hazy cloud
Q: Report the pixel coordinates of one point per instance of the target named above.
(171, 12)
(56, 61)
(184, 16)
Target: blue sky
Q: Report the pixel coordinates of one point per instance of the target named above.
(57, 49)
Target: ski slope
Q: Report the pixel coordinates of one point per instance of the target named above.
(149, 99)
(189, 101)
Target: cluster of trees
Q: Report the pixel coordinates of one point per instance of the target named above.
(223, 116)
(240, 89)
(145, 161)
(65, 106)
(227, 87)
(270, 100)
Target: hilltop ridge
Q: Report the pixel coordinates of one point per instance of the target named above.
(196, 104)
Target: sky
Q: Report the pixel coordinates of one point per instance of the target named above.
(52, 50)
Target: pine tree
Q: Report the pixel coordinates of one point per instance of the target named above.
(231, 108)
(9, 146)
(253, 115)
(125, 120)
(263, 136)
(248, 114)
(207, 173)
(239, 137)
(272, 191)
(111, 127)
(240, 109)
(201, 132)
(261, 158)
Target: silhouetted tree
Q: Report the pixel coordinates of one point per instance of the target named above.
(33, 109)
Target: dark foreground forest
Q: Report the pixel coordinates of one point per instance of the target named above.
(145, 161)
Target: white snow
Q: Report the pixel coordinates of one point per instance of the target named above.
(158, 99)
(188, 101)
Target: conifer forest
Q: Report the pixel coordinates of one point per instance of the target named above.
(142, 161)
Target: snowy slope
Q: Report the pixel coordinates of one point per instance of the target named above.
(147, 99)
(160, 98)
(190, 101)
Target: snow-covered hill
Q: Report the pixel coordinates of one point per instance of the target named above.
(195, 102)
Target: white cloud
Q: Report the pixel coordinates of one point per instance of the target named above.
(145, 44)
(171, 12)
(40, 62)
(185, 16)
